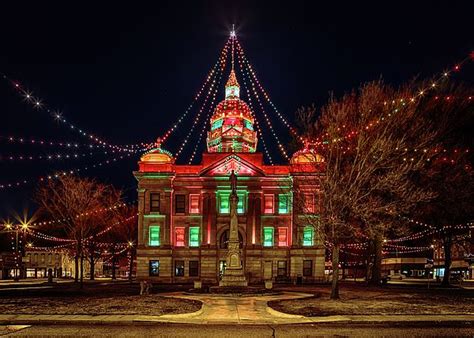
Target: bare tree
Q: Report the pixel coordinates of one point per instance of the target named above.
(371, 142)
(450, 173)
(76, 201)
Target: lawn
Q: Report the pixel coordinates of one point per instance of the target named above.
(119, 299)
(361, 300)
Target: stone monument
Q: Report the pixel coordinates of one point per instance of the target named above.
(234, 272)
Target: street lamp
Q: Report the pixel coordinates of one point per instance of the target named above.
(16, 228)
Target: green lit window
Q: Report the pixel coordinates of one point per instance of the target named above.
(308, 236)
(268, 236)
(193, 236)
(154, 235)
(224, 206)
(224, 202)
(217, 124)
(283, 204)
(241, 204)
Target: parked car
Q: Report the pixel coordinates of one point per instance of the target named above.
(396, 276)
(456, 278)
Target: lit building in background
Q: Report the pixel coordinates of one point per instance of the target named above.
(184, 209)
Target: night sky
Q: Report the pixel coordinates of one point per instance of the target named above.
(125, 72)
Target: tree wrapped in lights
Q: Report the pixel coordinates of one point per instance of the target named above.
(70, 196)
(368, 178)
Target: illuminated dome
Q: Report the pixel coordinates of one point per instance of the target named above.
(158, 155)
(232, 123)
(306, 156)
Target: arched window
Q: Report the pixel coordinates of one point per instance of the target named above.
(225, 238)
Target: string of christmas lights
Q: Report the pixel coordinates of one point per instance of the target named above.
(432, 230)
(249, 99)
(208, 114)
(65, 172)
(385, 252)
(405, 247)
(110, 227)
(83, 214)
(269, 124)
(404, 101)
(115, 254)
(196, 97)
(66, 144)
(285, 122)
(53, 157)
(53, 249)
(47, 237)
(108, 244)
(356, 245)
(39, 104)
(212, 91)
(50, 238)
(456, 226)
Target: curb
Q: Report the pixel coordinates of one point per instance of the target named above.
(183, 315)
(344, 322)
(285, 315)
(391, 321)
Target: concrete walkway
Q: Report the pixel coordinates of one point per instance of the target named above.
(232, 310)
(238, 310)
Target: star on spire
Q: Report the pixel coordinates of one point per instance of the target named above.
(232, 32)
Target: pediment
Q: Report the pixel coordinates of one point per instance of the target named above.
(224, 167)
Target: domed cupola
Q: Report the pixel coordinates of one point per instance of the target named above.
(157, 155)
(232, 123)
(307, 155)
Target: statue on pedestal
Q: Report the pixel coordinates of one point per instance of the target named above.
(234, 272)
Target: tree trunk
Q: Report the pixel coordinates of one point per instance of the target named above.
(82, 271)
(343, 265)
(92, 267)
(377, 267)
(113, 263)
(335, 272)
(76, 267)
(368, 261)
(130, 270)
(113, 268)
(447, 243)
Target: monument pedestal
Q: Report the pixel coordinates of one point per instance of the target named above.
(233, 277)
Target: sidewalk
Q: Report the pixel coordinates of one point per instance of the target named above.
(233, 310)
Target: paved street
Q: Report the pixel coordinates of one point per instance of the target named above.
(229, 330)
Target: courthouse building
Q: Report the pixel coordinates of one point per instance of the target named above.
(184, 209)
